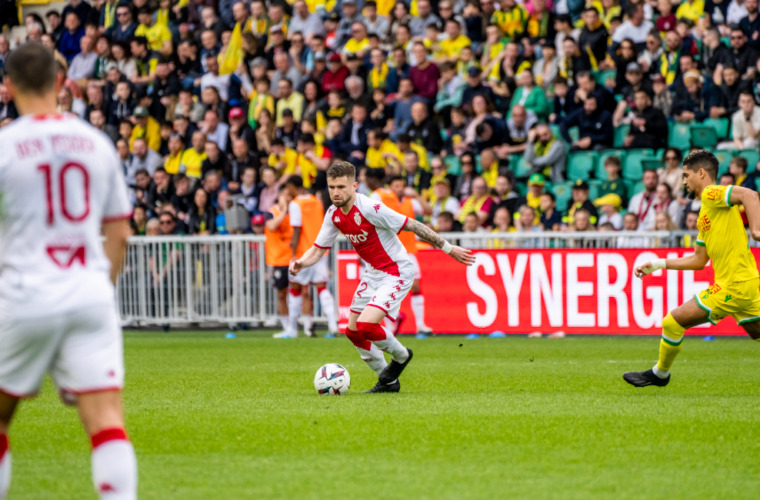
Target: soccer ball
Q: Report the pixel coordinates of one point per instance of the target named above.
(332, 379)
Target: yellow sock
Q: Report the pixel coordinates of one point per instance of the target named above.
(670, 344)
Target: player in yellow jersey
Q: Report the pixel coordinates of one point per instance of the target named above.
(722, 239)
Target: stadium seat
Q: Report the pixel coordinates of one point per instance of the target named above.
(752, 156)
(453, 165)
(724, 158)
(633, 187)
(703, 136)
(573, 132)
(603, 155)
(603, 76)
(721, 126)
(555, 130)
(621, 132)
(518, 166)
(593, 189)
(679, 135)
(563, 192)
(651, 164)
(580, 164)
(632, 167)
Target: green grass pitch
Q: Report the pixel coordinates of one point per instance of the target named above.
(216, 418)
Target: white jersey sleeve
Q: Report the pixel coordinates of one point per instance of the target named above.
(382, 216)
(328, 233)
(294, 210)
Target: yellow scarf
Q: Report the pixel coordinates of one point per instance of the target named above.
(471, 205)
(378, 78)
(110, 14)
(541, 150)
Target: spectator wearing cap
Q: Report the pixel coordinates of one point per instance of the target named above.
(124, 27)
(662, 97)
(649, 127)
(143, 158)
(750, 24)
(349, 15)
(700, 101)
(545, 154)
(609, 205)
(305, 22)
(423, 130)
(288, 99)
(634, 81)
(213, 79)
(595, 129)
(336, 74)
(536, 189)
(192, 157)
(158, 35)
(580, 201)
(376, 23)
(239, 129)
(741, 55)
(147, 128)
(69, 44)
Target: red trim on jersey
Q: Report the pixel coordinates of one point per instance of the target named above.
(320, 246)
(403, 225)
(48, 116)
(114, 218)
(106, 435)
(3, 445)
(386, 312)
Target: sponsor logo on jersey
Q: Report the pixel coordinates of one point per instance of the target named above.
(714, 193)
(703, 224)
(336, 219)
(358, 219)
(357, 238)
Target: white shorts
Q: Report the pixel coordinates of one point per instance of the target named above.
(381, 290)
(315, 274)
(416, 264)
(82, 350)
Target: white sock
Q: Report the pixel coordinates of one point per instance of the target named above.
(418, 306)
(114, 470)
(328, 307)
(391, 345)
(285, 322)
(5, 466)
(374, 358)
(660, 373)
(307, 323)
(294, 309)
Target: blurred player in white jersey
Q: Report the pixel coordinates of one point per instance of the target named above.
(372, 229)
(61, 187)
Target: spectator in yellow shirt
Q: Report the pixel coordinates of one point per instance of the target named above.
(451, 47)
(282, 159)
(511, 18)
(146, 127)
(288, 99)
(192, 158)
(158, 35)
(358, 44)
(174, 158)
(691, 9)
(381, 151)
(405, 144)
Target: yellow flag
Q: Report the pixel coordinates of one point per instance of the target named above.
(233, 55)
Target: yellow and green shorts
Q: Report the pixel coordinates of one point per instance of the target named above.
(739, 300)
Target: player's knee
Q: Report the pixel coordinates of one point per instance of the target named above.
(295, 292)
(321, 288)
(671, 329)
(370, 331)
(358, 339)
(753, 330)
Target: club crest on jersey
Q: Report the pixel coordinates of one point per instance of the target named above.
(358, 219)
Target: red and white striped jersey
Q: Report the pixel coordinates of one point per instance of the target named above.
(60, 179)
(372, 228)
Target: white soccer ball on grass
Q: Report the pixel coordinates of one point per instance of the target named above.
(332, 379)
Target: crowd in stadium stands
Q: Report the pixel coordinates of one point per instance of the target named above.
(498, 116)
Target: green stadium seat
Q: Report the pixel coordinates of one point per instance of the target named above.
(563, 192)
(453, 165)
(603, 76)
(703, 136)
(580, 164)
(621, 132)
(721, 126)
(724, 158)
(573, 133)
(651, 164)
(752, 156)
(634, 187)
(555, 130)
(633, 168)
(679, 135)
(603, 155)
(518, 166)
(593, 189)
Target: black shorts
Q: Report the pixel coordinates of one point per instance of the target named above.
(280, 277)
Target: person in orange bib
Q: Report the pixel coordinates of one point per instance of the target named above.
(306, 214)
(279, 234)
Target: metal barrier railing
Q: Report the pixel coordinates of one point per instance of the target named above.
(224, 279)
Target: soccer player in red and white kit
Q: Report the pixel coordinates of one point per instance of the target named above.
(372, 228)
(61, 187)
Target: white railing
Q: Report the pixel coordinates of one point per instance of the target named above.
(224, 279)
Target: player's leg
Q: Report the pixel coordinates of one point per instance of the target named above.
(114, 465)
(8, 405)
(89, 372)
(326, 299)
(370, 329)
(307, 312)
(753, 329)
(674, 325)
(280, 283)
(295, 302)
(370, 353)
(418, 300)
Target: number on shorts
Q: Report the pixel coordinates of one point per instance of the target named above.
(362, 288)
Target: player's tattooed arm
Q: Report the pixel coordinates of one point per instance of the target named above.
(457, 253)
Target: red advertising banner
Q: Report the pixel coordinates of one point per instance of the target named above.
(547, 291)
